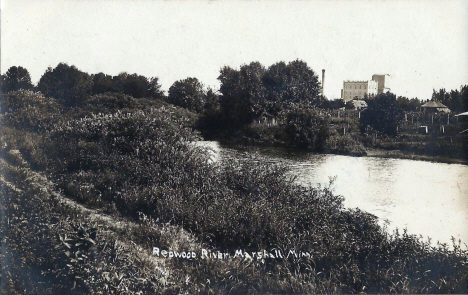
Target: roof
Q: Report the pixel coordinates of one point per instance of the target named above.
(359, 104)
(433, 104)
(462, 114)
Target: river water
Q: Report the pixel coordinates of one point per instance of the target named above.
(426, 198)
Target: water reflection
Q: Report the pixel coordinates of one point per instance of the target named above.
(429, 199)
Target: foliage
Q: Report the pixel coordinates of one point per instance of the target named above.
(383, 114)
(29, 110)
(292, 83)
(349, 105)
(230, 206)
(187, 93)
(242, 94)
(16, 78)
(253, 91)
(66, 83)
(456, 100)
(345, 144)
(409, 105)
(332, 104)
(307, 127)
(72, 86)
(137, 86)
(103, 83)
(109, 103)
(210, 118)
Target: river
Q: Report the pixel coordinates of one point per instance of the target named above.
(426, 198)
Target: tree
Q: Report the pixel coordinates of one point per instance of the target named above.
(409, 105)
(187, 93)
(349, 105)
(293, 83)
(66, 83)
(383, 113)
(332, 104)
(243, 94)
(16, 78)
(253, 90)
(102, 83)
(211, 116)
(137, 86)
(154, 88)
(463, 98)
(455, 100)
(306, 127)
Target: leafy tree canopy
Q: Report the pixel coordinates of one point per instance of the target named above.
(66, 83)
(383, 113)
(456, 100)
(16, 78)
(187, 93)
(252, 90)
(292, 83)
(307, 127)
(137, 86)
(243, 94)
(407, 104)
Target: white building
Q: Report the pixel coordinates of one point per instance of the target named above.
(358, 89)
(383, 82)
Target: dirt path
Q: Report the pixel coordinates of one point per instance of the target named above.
(107, 224)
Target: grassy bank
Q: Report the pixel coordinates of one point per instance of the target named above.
(139, 168)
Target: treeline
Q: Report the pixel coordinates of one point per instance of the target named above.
(245, 94)
(456, 100)
(280, 104)
(73, 87)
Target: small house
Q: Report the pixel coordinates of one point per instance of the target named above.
(435, 106)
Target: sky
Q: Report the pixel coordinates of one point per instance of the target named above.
(422, 45)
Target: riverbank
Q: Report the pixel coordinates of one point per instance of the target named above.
(354, 149)
(398, 154)
(312, 223)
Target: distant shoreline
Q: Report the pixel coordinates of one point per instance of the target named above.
(398, 154)
(370, 152)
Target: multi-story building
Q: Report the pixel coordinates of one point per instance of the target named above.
(361, 89)
(358, 89)
(383, 82)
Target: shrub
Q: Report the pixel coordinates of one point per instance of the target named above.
(383, 113)
(29, 110)
(306, 127)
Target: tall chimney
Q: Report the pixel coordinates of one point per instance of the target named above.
(323, 81)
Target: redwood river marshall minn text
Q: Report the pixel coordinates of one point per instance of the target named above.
(209, 254)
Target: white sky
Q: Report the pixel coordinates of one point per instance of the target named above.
(421, 44)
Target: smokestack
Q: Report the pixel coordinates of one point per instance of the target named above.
(323, 81)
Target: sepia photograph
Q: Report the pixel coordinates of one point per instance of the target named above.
(234, 147)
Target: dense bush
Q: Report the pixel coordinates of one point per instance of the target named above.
(29, 110)
(16, 78)
(345, 144)
(66, 83)
(187, 93)
(307, 127)
(109, 103)
(384, 114)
